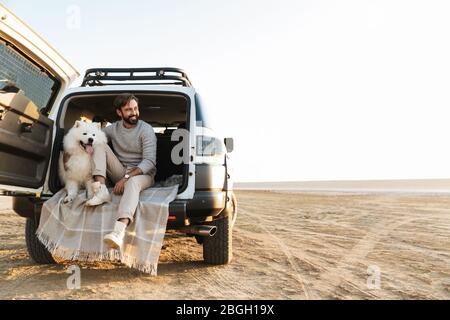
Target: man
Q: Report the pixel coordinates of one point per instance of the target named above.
(132, 165)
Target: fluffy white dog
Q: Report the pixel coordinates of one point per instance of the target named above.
(79, 144)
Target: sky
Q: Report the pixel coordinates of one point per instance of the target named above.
(309, 90)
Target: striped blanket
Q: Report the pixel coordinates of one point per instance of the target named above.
(75, 232)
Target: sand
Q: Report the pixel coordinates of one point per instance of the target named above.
(287, 245)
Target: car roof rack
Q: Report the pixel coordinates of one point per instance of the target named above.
(126, 76)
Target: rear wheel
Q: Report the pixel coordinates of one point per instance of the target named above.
(36, 249)
(218, 249)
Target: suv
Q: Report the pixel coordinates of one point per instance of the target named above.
(37, 108)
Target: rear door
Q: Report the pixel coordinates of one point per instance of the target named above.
(33, 77)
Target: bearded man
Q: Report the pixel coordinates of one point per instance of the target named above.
(131, 166)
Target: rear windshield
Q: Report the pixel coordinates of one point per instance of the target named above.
(17, 73)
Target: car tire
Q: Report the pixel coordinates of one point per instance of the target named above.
(218, 249)
(37, 251)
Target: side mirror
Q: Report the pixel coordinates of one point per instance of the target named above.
(229, 144)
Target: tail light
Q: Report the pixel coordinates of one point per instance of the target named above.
(209, 146)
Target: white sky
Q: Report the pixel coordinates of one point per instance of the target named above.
(310, 90)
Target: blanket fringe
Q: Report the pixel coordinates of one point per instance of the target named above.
(110, 255)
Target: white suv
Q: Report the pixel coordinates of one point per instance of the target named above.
(37, 109)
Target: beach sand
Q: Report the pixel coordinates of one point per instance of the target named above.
(302, 245)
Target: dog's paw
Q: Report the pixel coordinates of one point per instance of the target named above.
(68, 199)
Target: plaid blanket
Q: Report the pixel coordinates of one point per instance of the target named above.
(75, 232)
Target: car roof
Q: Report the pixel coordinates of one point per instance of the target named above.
(132, 88)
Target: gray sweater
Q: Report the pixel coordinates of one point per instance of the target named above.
(135, 147)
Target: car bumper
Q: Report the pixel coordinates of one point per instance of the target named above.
(203, 206)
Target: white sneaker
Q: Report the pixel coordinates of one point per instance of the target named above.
(115, 238)
(101, 194)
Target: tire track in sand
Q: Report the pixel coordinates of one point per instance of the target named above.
(286, 251)
(336, 276)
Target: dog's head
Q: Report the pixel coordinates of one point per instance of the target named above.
(84, 135)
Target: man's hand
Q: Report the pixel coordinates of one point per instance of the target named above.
(120, 186)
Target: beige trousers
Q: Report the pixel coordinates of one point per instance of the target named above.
(106, 164)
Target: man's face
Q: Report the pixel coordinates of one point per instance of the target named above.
(129, 113)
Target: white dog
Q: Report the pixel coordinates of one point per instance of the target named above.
(79, 144)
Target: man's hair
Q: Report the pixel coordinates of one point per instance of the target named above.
(123, 99)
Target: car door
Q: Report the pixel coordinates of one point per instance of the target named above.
(33, 77)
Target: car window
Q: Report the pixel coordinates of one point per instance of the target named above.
(201, 113)
(19, 74)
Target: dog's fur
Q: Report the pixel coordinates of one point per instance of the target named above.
(77, 172)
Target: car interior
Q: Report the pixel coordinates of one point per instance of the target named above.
(164, 112)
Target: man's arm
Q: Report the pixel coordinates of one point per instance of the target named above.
(107, 132)
(136, 171)
(120, 185)
(148, 152)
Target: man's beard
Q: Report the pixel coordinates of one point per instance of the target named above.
(131, 120)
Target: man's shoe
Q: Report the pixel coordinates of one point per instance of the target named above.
(101, 194)
(115, 238)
